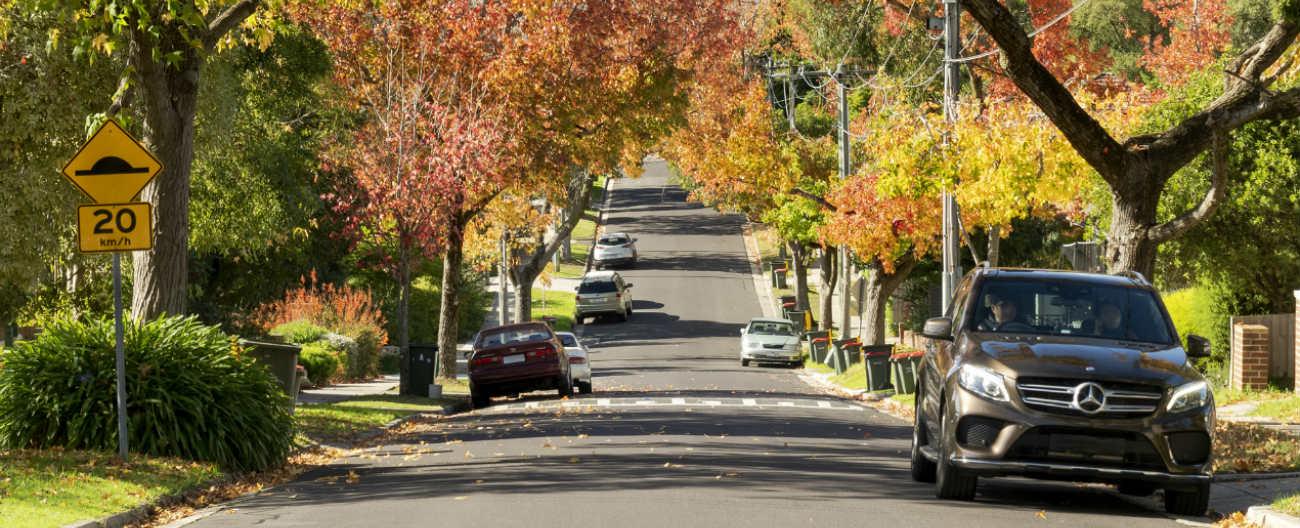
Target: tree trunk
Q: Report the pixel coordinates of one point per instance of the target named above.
(799, 261)
(995, 245)
(161, 275)
(827, 287)
(1127, 245)
(449, 312)
(524, 303)
(879, 287)
(404, 320)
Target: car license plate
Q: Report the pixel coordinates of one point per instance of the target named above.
(510, 360)
(1086, 446)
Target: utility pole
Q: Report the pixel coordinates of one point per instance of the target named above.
(951, 88)
(846, 260)
(503, 284)
(790, 99)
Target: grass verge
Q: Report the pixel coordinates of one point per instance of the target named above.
(555, 304)
(1249, 448)
(1288, 504)
(1283, 409)
(346, 422)
(55, 487)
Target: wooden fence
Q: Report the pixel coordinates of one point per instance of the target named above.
(1281, 341)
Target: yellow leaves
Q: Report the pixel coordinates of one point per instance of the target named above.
(353, 477)
(1041, 515)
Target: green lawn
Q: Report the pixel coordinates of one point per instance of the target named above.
(1288, 504)
(346, 421)
(557, 304)
(1282, 409)
(50, 488)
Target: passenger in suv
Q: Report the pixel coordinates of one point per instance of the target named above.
(1066, 376)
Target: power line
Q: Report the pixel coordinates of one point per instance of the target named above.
(1032, 34)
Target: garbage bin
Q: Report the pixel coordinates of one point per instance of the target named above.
(818, 342)
(422, 363)
(905, 364)
(778, 277)
(876, 361)
(796, 317)
(841, 350)
(281, 358)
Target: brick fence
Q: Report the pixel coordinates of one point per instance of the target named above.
(1250, 355)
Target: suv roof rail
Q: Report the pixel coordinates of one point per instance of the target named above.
(1133, 275)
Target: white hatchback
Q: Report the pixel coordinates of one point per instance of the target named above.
(579, 361)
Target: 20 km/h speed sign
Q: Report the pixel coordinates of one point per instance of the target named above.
(103, 228)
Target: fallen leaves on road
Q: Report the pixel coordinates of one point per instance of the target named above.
(1042, 514)
(460, 498)
(1236, 520)
(1249, 448)
(353, 477)
(573, 460)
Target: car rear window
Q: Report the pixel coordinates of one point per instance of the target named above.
(613, 240)
(597, 286)
(771, 328)
(1071, 309)
(568, 340)
(510, 336)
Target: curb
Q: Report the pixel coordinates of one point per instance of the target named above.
(142, 513)
(1267, 517)
(762, 288)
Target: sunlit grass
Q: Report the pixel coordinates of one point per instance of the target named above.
(55, 487)
(346, 421)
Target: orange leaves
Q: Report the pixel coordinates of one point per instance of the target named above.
(1199, 31)
(876, 224)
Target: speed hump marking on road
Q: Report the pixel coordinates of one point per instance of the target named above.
(112, 167)
(106, 228)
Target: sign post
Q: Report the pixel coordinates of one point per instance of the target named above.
(111, 168)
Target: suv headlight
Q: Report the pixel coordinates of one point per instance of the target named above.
(1193, 395)
(983, 382)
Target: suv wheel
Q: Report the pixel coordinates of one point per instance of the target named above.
(1192, 503)
(950, 482)
(744, 362)
(923, 470)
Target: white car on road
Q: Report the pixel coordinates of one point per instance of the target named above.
(579, 361)
(614, 249)
(770, 340)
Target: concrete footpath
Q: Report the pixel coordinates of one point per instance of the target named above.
(346, 391)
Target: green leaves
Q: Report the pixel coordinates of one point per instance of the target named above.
(188, 394)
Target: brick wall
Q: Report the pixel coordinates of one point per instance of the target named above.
(1250, 355)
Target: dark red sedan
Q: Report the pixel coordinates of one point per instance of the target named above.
(509, 360)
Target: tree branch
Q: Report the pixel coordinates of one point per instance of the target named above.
(228, 20)
(1088, 137)
(820, 200)
(1218, 188)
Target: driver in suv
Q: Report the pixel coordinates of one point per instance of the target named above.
(1066, 376)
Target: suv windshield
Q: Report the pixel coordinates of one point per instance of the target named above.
(771, 328)
(1069, 308)
(597, 286)
(508, 336)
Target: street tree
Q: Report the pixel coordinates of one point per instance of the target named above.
(1137, 169)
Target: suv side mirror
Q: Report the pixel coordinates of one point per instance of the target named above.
(1197, 346)
(938, 328)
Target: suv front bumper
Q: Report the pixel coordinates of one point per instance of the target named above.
(1048, 445)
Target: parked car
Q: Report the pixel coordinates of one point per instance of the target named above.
(579, 361)
(770, 340)
(602, 293)
(614, 249)
(1066, 376)
(509, 360)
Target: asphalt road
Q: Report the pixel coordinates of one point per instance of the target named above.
(677, 433)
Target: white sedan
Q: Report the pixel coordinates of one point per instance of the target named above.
(579, 361)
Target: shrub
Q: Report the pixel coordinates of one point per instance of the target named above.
(344, 310)
(322, 363)
(299, 332)
(190, 393)
(390, 360)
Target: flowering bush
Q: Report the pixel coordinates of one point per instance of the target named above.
(351, 315)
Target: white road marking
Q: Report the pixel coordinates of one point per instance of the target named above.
(712, 402)
(824, 405)
(785, 404)
(603, 402)
(749, 402)
(679, 401)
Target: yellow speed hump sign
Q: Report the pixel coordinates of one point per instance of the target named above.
(104, 228)
(112, 167)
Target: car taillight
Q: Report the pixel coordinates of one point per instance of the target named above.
(542, 353)
(486, 360)
(575, 360)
